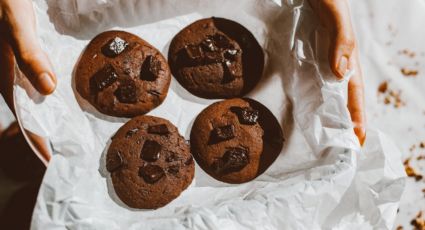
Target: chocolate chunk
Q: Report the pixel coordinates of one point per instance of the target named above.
(150, 151)
(131, 132)
(193, 52)
(114, 47)
(233, 160)
(221, 41)
(173, 169)
(151, 173)
(104, 78)
(209, 45)
(127, 92)
(114, 162)
(150, 69)
(229, 72)
(246, 116)
(158, 129)
(223, 133)
(231, 54)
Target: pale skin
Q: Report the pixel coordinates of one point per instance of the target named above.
(19, 41)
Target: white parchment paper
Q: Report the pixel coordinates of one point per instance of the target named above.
(321, 180)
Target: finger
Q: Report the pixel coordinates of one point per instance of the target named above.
(335, 16)
(356, 100)
(341, 50)
(7, 63)
(31, 59)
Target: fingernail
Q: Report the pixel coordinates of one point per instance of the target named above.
(46, 83)
(360, 132)
(342, 67)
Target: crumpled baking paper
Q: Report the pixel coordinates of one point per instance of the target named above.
(321, 180)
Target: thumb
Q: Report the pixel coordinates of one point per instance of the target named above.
(335, 16)
(32, 61)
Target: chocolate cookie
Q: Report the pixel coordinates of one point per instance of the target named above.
(216, 58)
(236, 140)
(150, 163)
(122, 75)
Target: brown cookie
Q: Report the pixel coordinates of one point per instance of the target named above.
(236, 140)
(150, 163)
(122, 75)
(216, 58)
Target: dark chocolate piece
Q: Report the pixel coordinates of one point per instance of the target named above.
(231, 54)
(158, 129)
(233, 160)
(127, 92)
(221, 41)
(104, 78)
(131, 132)
(151, 151)
(246, 116)
(114, 47)
(223, 133)
(229, 72)
(114, 162)
(150, 69)
(151, 173)
(208, 45)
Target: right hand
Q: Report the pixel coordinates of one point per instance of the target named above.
(19, 42)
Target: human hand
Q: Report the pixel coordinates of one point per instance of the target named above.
(344, 56)
(19, 42)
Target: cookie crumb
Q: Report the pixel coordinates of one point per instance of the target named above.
(410, 171)
(383, 87)
(418, 222)
(399, 227)
(390, 96)
(409, 72)
(407, 53)
(387, 100)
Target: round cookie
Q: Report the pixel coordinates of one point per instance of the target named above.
(236, 140)
(216, 58)
(122, 75)
(150, 163)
